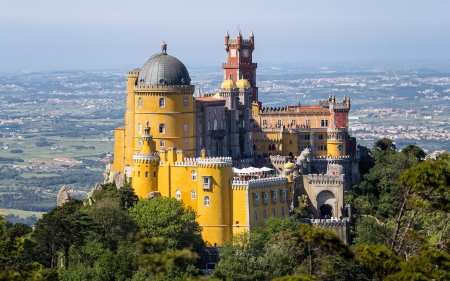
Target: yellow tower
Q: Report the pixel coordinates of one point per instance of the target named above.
(214, 203)
(145, 166)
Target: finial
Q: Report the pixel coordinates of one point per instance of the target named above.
(164, 48)
(227, 35)
(251, 34)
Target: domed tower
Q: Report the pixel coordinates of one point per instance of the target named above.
(164, 96)
(145, 166)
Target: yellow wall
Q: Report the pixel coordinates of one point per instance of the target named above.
(216, 218)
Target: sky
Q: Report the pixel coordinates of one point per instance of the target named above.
(97, 34)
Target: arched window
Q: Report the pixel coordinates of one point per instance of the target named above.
(255, 216)
(193, 195)
(206, 201)
(193, 175)
(162, 128)
(215, 124)
(139, 128)
(256, 199)
(185, 102)
(140, 143)
(230, 76)
(185, 128)
(209, 125)
(247, 76)
(264, 214)
(340, 148)
(200, 126)
(273, 212)
(162, 143)
(221, 124)
(282, 212)
(162, 102)
(140, 102)
(185, 142)
(178, 194)
(200, 141)
(215, 111)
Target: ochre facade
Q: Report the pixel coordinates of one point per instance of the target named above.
(179, 145)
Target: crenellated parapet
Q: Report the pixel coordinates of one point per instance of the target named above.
(214, 162)
(288, 110)
(279, 159)
(188, 162)
(325, 179)
(258, 183)
(139, 157)
(327, 222)
(134, 73)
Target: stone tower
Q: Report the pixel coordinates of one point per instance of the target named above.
(239, 63)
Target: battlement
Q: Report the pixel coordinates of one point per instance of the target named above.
(344, 157)
(286, 110)
(240, 64)
(221, 161)
(243, 42)
(188, 161)
(329, 179)
(279, 159)
(327, 222)
(133, 73)
(138, 157)
(258, 183)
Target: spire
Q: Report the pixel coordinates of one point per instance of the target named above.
(251, 34)
(227, 35)
(239, 33)
(164, 48)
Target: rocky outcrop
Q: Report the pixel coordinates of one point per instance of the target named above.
(63, 196)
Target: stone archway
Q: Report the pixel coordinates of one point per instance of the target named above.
(326, 204)
(326, 211)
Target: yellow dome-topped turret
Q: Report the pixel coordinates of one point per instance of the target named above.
(228, 84)
(243, 83)
(289, 166)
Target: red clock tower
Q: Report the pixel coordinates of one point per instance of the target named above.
(239, 63)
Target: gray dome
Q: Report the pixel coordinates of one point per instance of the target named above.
(162, 69)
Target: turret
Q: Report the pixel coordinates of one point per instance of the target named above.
(227, 37)
(145, 166)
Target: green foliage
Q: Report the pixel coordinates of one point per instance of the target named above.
(325, 241)
(302, 210)
(262, 254)
(15, 151)
(125, 194)
(415, 151)
(296, 278)
(169, 219)
(378, 258)
(384, 144)
(370, 230)
(429, 264)
(57, 231)
(154, 255)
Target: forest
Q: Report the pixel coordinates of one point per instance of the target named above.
(400, 231)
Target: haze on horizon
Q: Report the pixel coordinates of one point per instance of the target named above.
(53, 35)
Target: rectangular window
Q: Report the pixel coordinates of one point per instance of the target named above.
(266, 197)
(263, 136)
(275, 197)
(283, 196)
(206, 182)
(139, 174)
(185, 102)
(256, 199)
(320, 137)
(323, 123)
(146, 174)
(264, 122)
(279, 122)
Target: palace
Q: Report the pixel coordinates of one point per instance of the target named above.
(177, 144)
